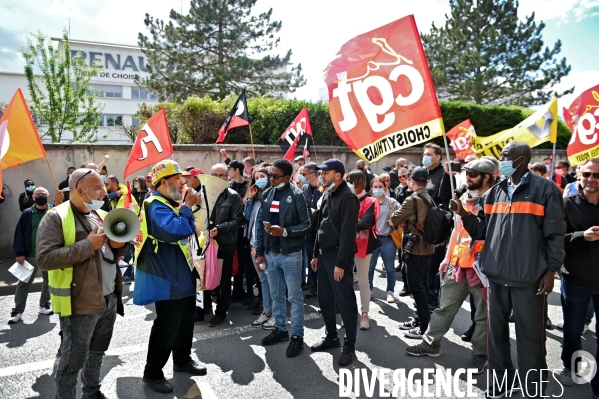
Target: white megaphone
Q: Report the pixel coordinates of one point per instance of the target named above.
(121, 225)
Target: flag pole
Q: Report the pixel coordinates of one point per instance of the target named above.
(52, 173)
(448, 160)
(252, 140)
(553, 162)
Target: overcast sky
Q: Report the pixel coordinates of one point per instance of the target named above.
(313, 29)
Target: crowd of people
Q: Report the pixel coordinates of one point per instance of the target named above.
(288, 231)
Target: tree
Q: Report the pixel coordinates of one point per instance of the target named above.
(62, 97)
(214, 50)
(485, 55)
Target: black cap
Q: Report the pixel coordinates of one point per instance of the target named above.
(420, 174)
(235, 164)
(332, 164)
(387, 168)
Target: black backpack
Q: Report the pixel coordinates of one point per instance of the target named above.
(438, 224)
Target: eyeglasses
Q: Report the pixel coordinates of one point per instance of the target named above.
(403, 177)
(472, 174)
(275, 177)
(29, 184)
(82, 177)
(586, 175)
(219, 176)
(350, 181)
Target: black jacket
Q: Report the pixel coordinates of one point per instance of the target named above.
(24, 205)
(394, 179)
(294, 216)
(441, 192)
(582, 257)
(339, 208)
(524, 237)
(227, 215)
(240, 188)
(21, 245)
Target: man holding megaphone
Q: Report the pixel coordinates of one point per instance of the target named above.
(84, 281)
(165, 274)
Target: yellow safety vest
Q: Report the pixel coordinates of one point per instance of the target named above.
(465, 249)
(59, 280)
(143, 235)
(121, 201)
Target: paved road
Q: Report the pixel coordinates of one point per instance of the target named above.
(238, 366)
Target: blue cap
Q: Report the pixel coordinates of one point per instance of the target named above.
(332, 164)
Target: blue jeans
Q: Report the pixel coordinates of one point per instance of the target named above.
(266, 299)
(575, 301)
(387, 250)
(286, 270)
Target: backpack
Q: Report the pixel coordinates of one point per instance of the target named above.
(438, 224)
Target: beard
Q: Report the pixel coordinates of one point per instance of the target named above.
(474, 186)
(172, 191)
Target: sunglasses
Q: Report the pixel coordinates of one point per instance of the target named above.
(403, 177)
(81, 178)
(473, 174)
(219, 176)
(586, 175)
(275, 177)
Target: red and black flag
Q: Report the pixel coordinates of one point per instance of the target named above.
(298, 128)
(238, 117)
(306, 153)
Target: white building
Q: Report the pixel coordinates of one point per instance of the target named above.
(120, 94)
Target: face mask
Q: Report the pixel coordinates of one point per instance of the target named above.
(303, 179)
(351, 187)
(427, 161)
(103, 178)
(280, 185)
(331, 186)
(41, 201)
(507, 168)
(378, 192)
(136, 185)
(95, 205)
(320, 180)
(30, 188)
(262, 182)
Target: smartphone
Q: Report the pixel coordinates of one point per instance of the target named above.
(456, 167)
(266, 224)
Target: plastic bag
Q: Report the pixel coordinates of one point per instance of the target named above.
(213, 271)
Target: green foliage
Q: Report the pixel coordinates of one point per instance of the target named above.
(199, 119)
(62, 98)
(486, 55)
(217, 48)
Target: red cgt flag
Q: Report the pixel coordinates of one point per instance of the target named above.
(153, 144)
(381, 94)
(460, 139)
(238, 117)
(299, 128)
(583, 119)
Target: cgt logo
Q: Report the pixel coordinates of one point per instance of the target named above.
(376, 95)
(587, 367)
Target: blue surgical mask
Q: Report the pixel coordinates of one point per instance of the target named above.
(261, 183)
(507, 168)
(427, 161)
(280, 185)
(30, 188)
(378, 192)
(351, 187)
(95, 205)
(136, 185)
(103, 178)
(303, 179)
(320, 180)
(331, 186)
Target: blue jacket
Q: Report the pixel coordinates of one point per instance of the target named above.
(294, 216)
(164, 275)
(22, 242)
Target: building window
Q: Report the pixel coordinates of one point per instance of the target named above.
(134, 122)
(111, 120)
(109, 91)
(142, 94)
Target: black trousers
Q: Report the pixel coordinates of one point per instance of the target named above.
(224, 290)
(342, 293)
(417, 273)
(172, 331)
(246, 267)
(530, 315)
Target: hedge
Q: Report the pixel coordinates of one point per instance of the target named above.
(198, 120)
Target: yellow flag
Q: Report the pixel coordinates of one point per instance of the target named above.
(538, 128)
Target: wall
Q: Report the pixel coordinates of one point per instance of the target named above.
(61, 156)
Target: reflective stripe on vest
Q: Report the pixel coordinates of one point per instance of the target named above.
(59, 280)
(465, 250)
(143, 235)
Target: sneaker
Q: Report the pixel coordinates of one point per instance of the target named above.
(126, 280)
(419, 350)
(585, 328)
(390, 297)
(296, 344)
(46, 310)
(269, 325)
(410, 324)
(15, 317)
(261, 320)
(560, 325)
(477, 362)
(275, 336)
(355, 277)
(326, 344)
(415, 333)
(199, 317)
(364, 322)
(467, 336)
(565, 377)
(215, 321)
(549, 324)
(405, 291)
(347, 356)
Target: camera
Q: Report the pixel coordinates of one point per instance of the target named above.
(410, 240)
